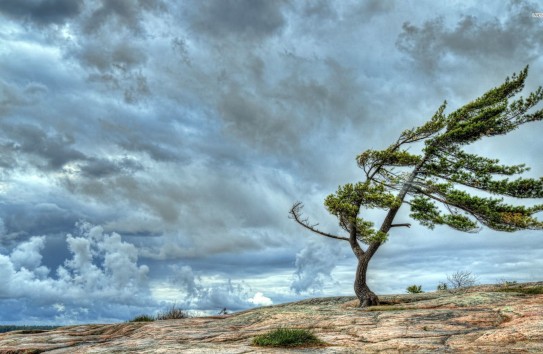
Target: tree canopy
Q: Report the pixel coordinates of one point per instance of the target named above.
(443, 184)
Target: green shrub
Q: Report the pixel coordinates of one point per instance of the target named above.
(142, 318)
(507, 283)
(414, 289)
(174, 313)
(517, 289)
(442, 286)
(285, 337)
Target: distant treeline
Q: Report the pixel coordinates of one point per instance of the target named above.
(26, 328)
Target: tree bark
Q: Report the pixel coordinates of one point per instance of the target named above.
(361, 289)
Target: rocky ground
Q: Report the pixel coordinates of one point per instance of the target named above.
(484, 319)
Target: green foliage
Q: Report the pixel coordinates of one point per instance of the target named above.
(414, 289)
(346, 202)
(142, 318)
(345, 205)
(446, 165)
(490, 114)
(428, 214)
(442, 286)
(443, 165)
(370, 159)
(285, 337)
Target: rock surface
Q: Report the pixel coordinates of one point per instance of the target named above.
(484, 319)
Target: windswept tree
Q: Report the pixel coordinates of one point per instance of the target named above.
(443, 184)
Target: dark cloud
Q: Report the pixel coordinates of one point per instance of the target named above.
(46, 218)
(42, 12)
(116, 64)
(302, 101)
(514, 38)
(13, 95)
(370, 8)
(253, 19)
(320, 9)
(122, 56)
(55, 149)
(109, 42)
(122, 14)
(98, 168)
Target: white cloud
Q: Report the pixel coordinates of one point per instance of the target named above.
(102, 268)
(260, 300)
(28, 254)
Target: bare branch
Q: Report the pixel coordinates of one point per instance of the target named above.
(399, 225)
(296, 214)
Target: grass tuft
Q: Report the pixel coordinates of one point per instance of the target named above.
(286, 337)
(142, 318)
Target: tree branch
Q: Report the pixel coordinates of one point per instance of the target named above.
(399, 225)
(295, 213)
(446, 203)
(355, 246)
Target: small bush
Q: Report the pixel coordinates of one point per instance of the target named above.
(442, 286)
(507, 283)
(461, 279)
(174, 313)
(414, 289)
(285, 337)
(142, 318)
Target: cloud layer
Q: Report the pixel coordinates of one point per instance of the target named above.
(187, 130)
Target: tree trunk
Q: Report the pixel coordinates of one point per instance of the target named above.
(361, 289)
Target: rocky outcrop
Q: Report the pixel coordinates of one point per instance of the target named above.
(486, 319)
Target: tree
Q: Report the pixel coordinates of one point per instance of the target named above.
(443, 184)
(461, 279)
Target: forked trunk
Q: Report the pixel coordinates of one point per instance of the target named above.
(361, 289)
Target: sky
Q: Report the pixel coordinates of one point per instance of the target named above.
(150, 150)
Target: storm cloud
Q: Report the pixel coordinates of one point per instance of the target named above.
(42, 12)
(186, 130)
